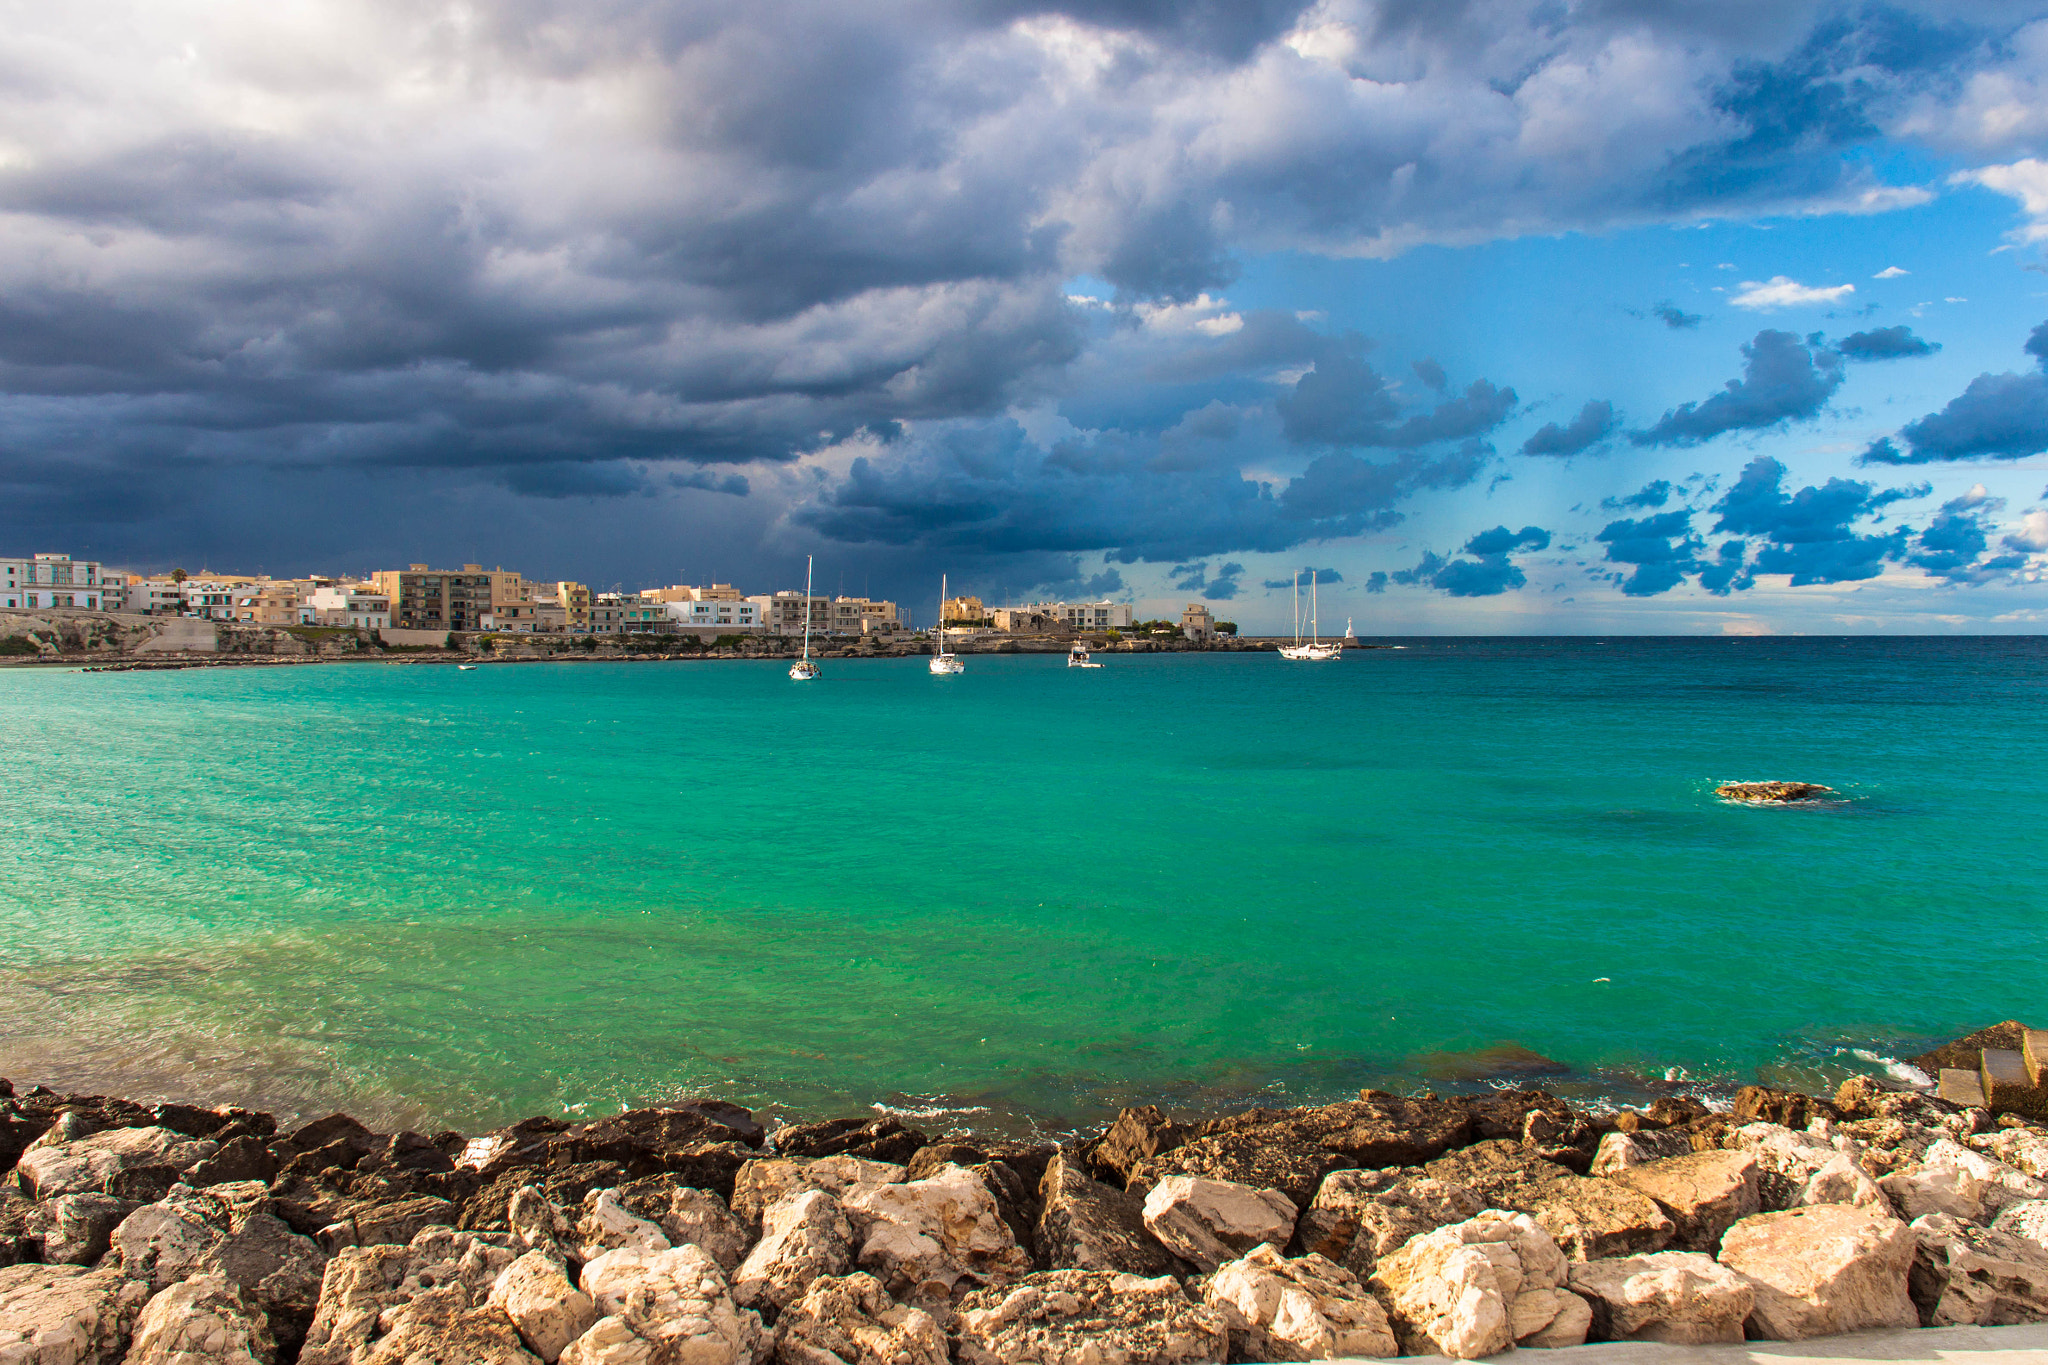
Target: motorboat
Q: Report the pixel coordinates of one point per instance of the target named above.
(804, 670)
(465, 668)
(1077, 657)
(941, 661)
(1314, 650)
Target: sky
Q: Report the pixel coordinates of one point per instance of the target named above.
(1502, 316)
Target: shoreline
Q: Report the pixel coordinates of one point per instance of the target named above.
(1455, 1226)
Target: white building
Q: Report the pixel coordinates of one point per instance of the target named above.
(1104, 615)
(46, 582)
(361, 607)
(782, 613)
(156, 596)
(212, 598)
(718, 613)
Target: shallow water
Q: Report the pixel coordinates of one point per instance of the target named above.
(1018, 896)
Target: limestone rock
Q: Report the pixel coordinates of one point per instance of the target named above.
(66, 1315)
(1679, 1297)
(1080, 1316)
(1260, 1158)
(1823, 1269)
(606, 1225)
(2024, 1149)
(1478, 1287)
(168, 1241)
(1706, 1193)
(1305, 1309)
(1590, 1216)
(435, 1288)
(247, 1157)
(851, 1320)
(1799, 1169)
(398, 1223)
(538, 1223)
(1772, 793)
(1087, 1225)
(2028, 1219)
(688, 1215)
(88, 1162)
(1292, 1150)
(1208, 1222)
(444, 1325)
(206, 1320)
(675, 1304)
(1618, 1151)
(76, 1229)
(549, 1312)
(1360, 1216)
(764, 1182)
(1964, 1274)
(1756, 1103)
(276, 1266)
(1962, 1183)
(930, 1240)
(803, 1237)
(1138, 1135)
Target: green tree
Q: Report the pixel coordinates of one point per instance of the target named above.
(179, 575)
(1226, 627)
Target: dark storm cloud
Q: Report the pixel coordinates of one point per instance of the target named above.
(1676, 318)
(1343, 401)
(1376, 582)
(574, 253)
(1430, 373)
(1196, 579)
(1321, 576)
(1783, 380)
(1885, 343)
(987, 489)
(1595, 422)
(1488, 573)
(1810, 534)
(1653, 494)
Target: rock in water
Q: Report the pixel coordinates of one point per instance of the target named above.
(1478, 1287)
(1087, 1225)
(1965, 1274)
(1823, 1269)
(851, 1320)
(67, 1314)
(207, 1318)
(1305, 1309)
(1767, 792)
(1679, 1297)
(1208, 1222)
(1090, 1315)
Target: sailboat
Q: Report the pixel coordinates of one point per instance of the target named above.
(942, 662)
(1315, 650)
(803, 670)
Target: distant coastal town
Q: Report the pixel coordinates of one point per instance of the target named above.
(420, 605)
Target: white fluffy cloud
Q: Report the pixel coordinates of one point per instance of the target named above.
(1782, 291)
(2026, 181)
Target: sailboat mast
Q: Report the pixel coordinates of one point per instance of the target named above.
(1297, 606)
(807, 606)
(942, 616)
(1315, 629)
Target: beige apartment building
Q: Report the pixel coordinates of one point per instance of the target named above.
(962, 609)
(425, 598)
(684, 592)
(862, 616)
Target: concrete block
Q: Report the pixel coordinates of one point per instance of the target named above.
(1961, 1087)
(2008, 1089)
(2034, 1049)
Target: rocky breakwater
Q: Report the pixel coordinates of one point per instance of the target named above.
(1379, 1226)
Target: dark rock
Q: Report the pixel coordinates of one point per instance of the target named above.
(1499, 1062)
(399, 1223)
(17, 1131)
(240, 1158)
(342, 1154)
(1563, 1137)
(1270, 1158)
(407, 1152)
(926, 1160)
(1088, 1225)
(76, 1229)
(1756, 1104)
(1668, 1111)
(308, 1205)
(1027, 1159)
(882, 1139)
(1136, 1136)
(188, 1119)
(334, 1128)
(1590, 1217)
(17, 1243)
(1016, 1202)
(646, 1141)
(1962, 1054)
(739, 1119)
(1504, 1114)
(141, 1184)
(484, 1211)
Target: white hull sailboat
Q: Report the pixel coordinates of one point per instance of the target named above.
(803, 670)
(942, 662)
(1314, 651)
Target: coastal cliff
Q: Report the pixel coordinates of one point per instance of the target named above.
(1383, 1225)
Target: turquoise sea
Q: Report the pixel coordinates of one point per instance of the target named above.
(1021, 896)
